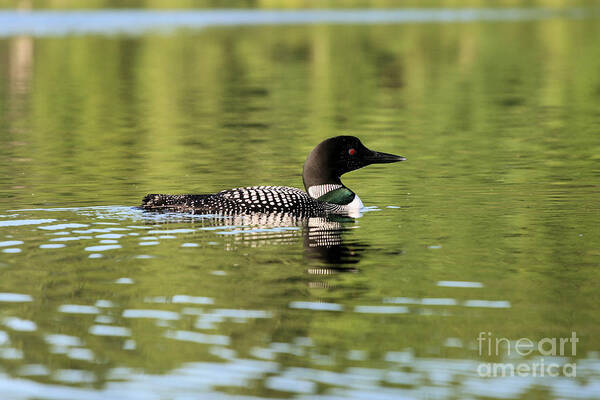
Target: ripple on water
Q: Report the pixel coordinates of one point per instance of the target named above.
(62, 340)
(401, 300)
(9, 353)
(290, 385)
(4, 338)
(381, 309)
(52, 246)
(426, 301)
(104, 319)
(185, 299)
(69, 238)
(104, 304)
(109, 330)
(179, 299)
(158, 314)
(81, 354)
(100, 230)
(20, 222)
(242, 314)
(309, 305)
(487, 303)
(110, 236)
(15, 297)
(197, 337)
(62, 226)
(453, 342)
(103, 247)
(11, 250)
(18, 324)
(10, 243)
(33, 370)
(74, 376)
(78, 309)
(356, 355)
(258, 230)
(438, 302)
(168, 231)
(461, 284)
(129, 344)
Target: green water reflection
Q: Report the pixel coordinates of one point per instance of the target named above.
(499, 122)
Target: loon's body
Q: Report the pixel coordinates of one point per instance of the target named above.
(325, 193)
(253, 199)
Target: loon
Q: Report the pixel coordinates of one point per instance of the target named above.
(325, 193)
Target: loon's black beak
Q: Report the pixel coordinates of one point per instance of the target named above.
(382, 158)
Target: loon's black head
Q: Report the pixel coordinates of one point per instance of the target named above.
(337, 155)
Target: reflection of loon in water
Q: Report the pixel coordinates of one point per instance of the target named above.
(322, 236)
(325, 194)
(323, 241)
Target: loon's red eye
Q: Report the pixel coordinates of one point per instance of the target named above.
(352, 152)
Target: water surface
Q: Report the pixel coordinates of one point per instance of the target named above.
(490, 226)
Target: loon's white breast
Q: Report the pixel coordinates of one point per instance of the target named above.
(355, 207)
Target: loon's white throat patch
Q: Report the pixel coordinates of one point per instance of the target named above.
(319, 190)
(352, 209)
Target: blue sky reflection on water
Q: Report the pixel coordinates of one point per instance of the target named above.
(42, 23)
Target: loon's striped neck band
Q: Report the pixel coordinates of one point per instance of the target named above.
(319, 190)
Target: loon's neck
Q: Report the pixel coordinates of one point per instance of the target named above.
(320, 169)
